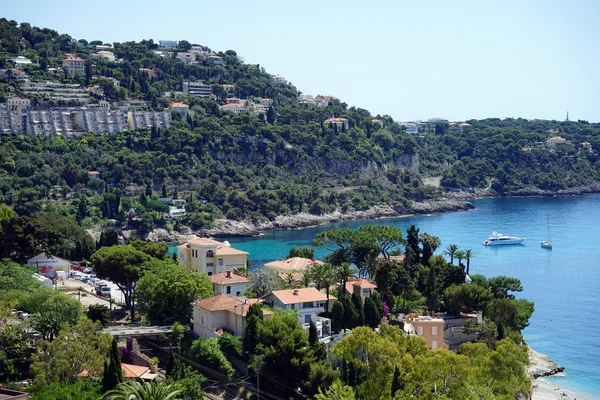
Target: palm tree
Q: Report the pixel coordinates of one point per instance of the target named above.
(133, 390)
(290, 281)
(306, 278)
(323, 276)
(469, 253)
(451, 252)
(460, 255)
(345, 271)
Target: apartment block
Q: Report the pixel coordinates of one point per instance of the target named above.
(196, 89)
(56, 91)
(100, 121)
(50, 122)
(11, 121)
(140, 119)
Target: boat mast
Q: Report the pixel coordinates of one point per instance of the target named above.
(549, 235)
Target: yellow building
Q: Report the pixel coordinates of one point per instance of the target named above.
(211, 256)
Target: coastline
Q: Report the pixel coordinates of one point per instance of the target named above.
(477, 193)
(542, 366)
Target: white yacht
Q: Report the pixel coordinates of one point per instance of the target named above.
(498, 239)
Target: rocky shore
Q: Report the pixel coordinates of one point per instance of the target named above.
(477, 193)
(226, 227)
(542, 366)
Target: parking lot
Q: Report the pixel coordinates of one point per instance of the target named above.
(89, 282)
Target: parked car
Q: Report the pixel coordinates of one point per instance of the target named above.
(76, 275)
(88, 270)
(78, 268)
(105, 291)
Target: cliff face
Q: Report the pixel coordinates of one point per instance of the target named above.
(541, 365)
(225, 227)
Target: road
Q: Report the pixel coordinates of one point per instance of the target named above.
(115, 292)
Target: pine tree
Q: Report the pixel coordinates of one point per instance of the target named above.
(113, 372)
(164, 190)
(271, 115)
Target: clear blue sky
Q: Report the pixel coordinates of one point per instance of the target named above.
(408, 59)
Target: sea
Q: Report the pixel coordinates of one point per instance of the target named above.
(564, 282)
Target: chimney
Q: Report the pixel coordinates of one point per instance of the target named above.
(295, 292)
(235, 271)
(228, 274)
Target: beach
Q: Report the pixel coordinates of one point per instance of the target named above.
(542, 366)
(543, 390)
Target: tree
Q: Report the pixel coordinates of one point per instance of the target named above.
(83, 347)
(271, 115)
(14, 350)
(148, 190)
(502, 285)
(469, 254)
(344, 272)
(387, 237)
(372, 318)
(451, 252)
(313, 336)
(397, 382)
(108, 237)
(130, 390)
(113, 372)
(306, 278)
(121, 265)
(99, 313)
(265, 281)
(285, 353)
(56, 311)
(81, 390)
(412, 245)
(208, 352)
(166, 290)
(337, 391)
(360, 309)
(337, 315)
(460, 255)
(153, 249)
(253, 318)
(303, 251)
(164, 190)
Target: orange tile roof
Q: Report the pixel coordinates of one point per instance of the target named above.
(363, 283)
(73, 59)
(296, 275)
(234, 277)
(94, 173)
(294, 263)
(179, 105)
(133, 371)
(222, 248)
(294, 296)
(392, 258)
(224, 302)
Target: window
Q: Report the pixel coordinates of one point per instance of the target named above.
(307, 319)
(293, 306)
(220, 262)
(433, 345)
(210, 254)
(228, 289)
(420, 330)
(209, 273)
(434, 330)
(238, 293)
(308, 304)
(202, 318)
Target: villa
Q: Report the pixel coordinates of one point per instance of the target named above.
(230, 282)
(210, 256)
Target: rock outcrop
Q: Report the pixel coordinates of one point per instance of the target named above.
(541, 365)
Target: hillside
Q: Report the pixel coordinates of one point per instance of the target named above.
(251, 149)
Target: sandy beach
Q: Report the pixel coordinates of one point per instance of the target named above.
(543, 390)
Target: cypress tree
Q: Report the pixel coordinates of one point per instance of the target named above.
(113, 372)
(171, 362)
(350, 313)
(397, 382)
(313, 336)
(360, 309)
(371, 313)
(148, 189)
(337, 315)
(164, 190)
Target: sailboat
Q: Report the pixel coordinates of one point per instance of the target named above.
(547, 244)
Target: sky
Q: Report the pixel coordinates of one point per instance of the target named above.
(408, 59)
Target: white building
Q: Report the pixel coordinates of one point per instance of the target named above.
(215, 60)
(308, 301)
(20, 61)
(174, 212)
(411, 128)
(189, 57)
(167, 44)
(55, 122)
(181, 108)
(196, 89)
(48, 265)
(11, 121)
(74, 65)
(234, 108)
(230, 282)
(56, 91)
(108, 55)
(222, 313)
(139, 119)
(100, 121)
(13, 74)
(278, 78)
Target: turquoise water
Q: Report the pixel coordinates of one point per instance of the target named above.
(562, 282)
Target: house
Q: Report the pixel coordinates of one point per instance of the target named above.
(131, 371)
(230, 282)
(222, 313)
(234, 108)
(181, 108)
(150, 72)
(307, 105)
(364, 287)
(167, 44)
(340, 122)
(94, 174)
(266, 102)
(13, 74)
(553, 141)
(278, 78)
(74, 65)
(233, 100)
(196, 89)
(7, 394)
(323, 101)
(587, 146)
(411, 127)
(210, 256)
(20, 61)
(174, 212)
(215, 60)
(188, 58)
(50, 266)
(108, 55)
(294, 266)
(430, 328)
(308, 301)
(377, 122)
